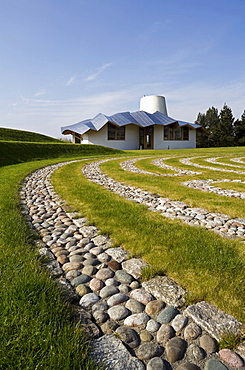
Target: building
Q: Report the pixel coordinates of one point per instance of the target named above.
(148, 128)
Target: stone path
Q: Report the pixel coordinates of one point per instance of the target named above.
(129, 166)
(134, 325)
(188, 161)
(206, 185)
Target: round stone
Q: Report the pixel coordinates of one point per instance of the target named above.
(128, 336)
(188, 366)
(89, 270)
(90, 262)
(104, 274)
(231, 358)
(108, 291)
(82, 289)
(208, 344)
(135, 284)
(104, 257)
(123, 277)
(154, 307)
(123, 288)
(88, 255)
(84, 242)
(96, 284)
(71, 266)
(175, 349)
(165, 333)
(76, 258)
(152, 326)
(61, 252)
(147, 351)
(88, 299)
(117, 299)
(214, 364)
(96, 250)
(100, 306)
(81, 279)
(156, 363)
(195, 353)
(192, 331)
(141, 295)
(167, 314)
(118, 312)
(145, 336)
(135, 306)
(114, 265)
(72, 274)
(111, 281)
(179, 322)
(136, 319)
(62, 259)
(109, 327)
(100, 317)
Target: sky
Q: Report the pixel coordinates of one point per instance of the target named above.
(63, 61)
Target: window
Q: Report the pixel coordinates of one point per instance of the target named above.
(178, 133)
(116, 133)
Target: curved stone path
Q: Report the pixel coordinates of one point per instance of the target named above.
(153, 330)
(129, 166)
(206, 185)
(188, 161)
(238, 160)
(219, 223)
(215, 161)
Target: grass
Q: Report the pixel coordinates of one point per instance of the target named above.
(208, 266)
(38, 330)
(18, 152)
(8, 134)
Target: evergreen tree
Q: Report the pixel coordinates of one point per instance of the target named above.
(209, 121)
(212, 124)
(239, 127)
(225, 128)
(201, 137)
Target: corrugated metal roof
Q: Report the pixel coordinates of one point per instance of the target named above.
(139, 118)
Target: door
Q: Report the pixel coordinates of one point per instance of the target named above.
(146, 137)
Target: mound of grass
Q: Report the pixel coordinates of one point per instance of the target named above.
(18, 152)
(37, 328)
(8, 134)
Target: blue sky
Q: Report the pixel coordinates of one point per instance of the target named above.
(64, 61)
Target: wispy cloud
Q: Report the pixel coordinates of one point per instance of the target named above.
(71, 80)
(99, 70)
(40, 93)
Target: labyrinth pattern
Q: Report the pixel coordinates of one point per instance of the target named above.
(222, 224)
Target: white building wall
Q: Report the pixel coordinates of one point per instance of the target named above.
(160, 143)
(101, 138)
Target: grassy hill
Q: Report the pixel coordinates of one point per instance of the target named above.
(14, 150)
(9, 134)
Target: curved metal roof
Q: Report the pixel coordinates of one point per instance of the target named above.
(139, 118)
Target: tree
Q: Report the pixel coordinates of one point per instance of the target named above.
(225, 128)
(209, 121)
(239, 127)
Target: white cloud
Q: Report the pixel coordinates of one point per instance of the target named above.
(40, 93)
(93, 76)
(71, 80)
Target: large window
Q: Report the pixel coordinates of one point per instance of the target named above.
(177, 133)
(116, 133)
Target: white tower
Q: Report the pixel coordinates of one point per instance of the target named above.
(153, 103)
